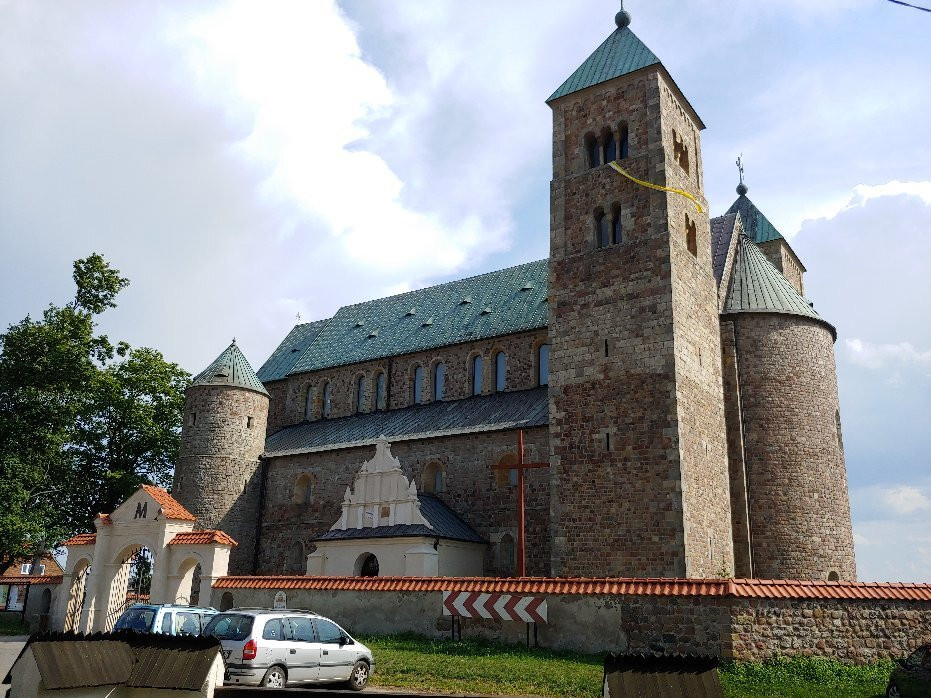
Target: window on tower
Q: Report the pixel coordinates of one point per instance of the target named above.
(610, 146)
(592, 150)
(691, 238)
(616, 233)
(624, 144)
(602, 229)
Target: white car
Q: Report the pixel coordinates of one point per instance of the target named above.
(262, 647)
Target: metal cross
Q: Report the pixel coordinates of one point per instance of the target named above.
(520, 466)
(740, 167)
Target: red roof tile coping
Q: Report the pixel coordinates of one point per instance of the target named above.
(171, 507)
(82, 539)
(559, 586)
(205, 537)
(105, 519)
(29, 579)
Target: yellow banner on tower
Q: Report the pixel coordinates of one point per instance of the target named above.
(650, 185)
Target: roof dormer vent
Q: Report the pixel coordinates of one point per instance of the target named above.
(427, 322)
(465, 300)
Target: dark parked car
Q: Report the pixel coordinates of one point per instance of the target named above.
(912, 678)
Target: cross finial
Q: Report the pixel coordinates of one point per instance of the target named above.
(234, 340)
(741, 188)
(622, 18)
(298, 317)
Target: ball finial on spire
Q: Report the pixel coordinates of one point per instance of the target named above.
(622, 18)
(741, 188)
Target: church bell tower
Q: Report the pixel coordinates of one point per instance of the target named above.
(638, 449)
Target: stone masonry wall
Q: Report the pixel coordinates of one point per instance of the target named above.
(616, 501)
(478, 494)
(740, 628)
(697, 350)
(290, 396)
(796, 478)
(218, 474)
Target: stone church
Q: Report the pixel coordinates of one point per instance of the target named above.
(666, 366)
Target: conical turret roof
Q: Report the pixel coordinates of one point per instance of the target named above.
(759, 287)
(621, 53)
(756, 226)
(232, 369)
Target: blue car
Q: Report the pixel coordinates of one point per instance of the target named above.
(912, 677)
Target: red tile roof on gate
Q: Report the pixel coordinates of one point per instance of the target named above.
(82, 539)
(559, 586)
(105, 519)
(29, 579)
(202, 538)
(171, 507)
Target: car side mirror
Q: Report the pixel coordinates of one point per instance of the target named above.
(343, 640)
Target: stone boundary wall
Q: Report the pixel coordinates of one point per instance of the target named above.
(850, 630)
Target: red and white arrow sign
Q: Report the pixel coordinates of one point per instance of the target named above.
(473, 604)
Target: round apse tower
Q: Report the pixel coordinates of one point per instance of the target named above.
(797, 504)
(218, 474)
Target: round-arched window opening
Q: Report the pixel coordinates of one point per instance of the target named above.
(833, 576)
(369, 567)
(226, 601)
(46, 602)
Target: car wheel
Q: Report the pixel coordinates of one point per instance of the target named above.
(276, 677)
(359, 677)
(892, 691)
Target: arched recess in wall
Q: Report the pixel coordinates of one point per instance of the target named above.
(439, 381)
(360, 394)
(592, 151)
(610, 145)
(543, 364)
(434, 478)
(506, 557)
(309, 404)
(381, 394)
(506, 477)
(296, 558)
(327, 400)
(478, 374)
(501, 371)
(303, 489)
(417, 385)
(366, 565)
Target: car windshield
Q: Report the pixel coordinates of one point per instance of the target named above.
(139, 619)
(229, 626)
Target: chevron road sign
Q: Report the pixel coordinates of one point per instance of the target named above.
(472, 604)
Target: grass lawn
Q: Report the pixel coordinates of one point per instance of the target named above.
(11, 624)
(477, 666)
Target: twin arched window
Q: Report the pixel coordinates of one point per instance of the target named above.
(477, 375)
(608, 147)
(417, 392)
(608, 231)
(501, 371)
(439, 381)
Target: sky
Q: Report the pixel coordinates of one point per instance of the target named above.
(244, 163)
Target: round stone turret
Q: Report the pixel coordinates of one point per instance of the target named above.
(218, 475)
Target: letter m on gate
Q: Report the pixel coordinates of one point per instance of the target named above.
(142, 508)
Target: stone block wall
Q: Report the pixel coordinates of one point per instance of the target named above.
(289, 398)
(218, 474)
(796, 478)
(484, 499)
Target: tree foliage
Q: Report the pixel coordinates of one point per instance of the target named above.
(82, 423)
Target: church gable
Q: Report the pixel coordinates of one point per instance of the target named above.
(147, 504)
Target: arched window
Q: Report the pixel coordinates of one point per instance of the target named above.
(418, 385)
(501, 371)
(439, 381)
(434, 479)
(303, 489)
(360, 395)
(369, 567)
(592, 150)
(624, 146)
(616, 234)
(506, 553)
(477, 375)
(691, 240)
(296, 561)
(543, 365)
(506, 477)
(309, 404)
(833, 576)
(380, 395)
(602, 229)
(326, 400)
(610, 147)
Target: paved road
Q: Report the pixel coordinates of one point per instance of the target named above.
(10, 647)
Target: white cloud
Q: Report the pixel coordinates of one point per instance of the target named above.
(864, 193)
(905, 499)
(878, 356)
(891, 524)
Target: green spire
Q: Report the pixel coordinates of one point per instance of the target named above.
(620, 54)
(232, 369)
(756, 226)
(759, 287)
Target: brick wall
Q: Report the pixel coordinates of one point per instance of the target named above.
(473, 490)
(796, 478)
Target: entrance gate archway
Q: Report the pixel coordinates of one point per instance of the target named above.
(147, 549)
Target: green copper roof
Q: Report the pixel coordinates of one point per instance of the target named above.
(281, 362)
(620, 54)
(502, 302)
(758, 287)
(230, 368)
(756, 225)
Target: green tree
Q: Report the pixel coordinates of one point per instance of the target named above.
(82, 422)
